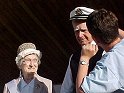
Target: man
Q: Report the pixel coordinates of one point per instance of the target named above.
(28, 60)
(107, 76)
(78, 17)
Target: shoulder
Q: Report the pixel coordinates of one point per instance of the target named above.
(12, 82)
(44, 82)
(42, 79)
(10, 86)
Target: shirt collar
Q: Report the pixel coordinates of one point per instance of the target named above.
(23, 83)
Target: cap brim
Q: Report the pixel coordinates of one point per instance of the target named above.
(84, 17)
(78, 18)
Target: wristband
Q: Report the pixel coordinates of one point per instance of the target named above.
(83, 63)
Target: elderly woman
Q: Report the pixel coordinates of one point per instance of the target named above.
(28, 60)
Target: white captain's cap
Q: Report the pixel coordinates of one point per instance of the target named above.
(80, 13)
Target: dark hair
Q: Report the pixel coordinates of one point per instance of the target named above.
(104, 25)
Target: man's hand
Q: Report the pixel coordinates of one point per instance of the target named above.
(89, 51)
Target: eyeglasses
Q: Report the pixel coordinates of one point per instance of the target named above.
(28, 61)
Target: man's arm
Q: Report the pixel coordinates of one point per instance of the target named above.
(87, 52)
(82, 72)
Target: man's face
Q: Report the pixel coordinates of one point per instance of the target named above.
(81, 32)
(29, 64)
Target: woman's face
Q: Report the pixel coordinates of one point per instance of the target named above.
(29, 64)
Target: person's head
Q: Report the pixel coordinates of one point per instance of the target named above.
(78, 16)
(103, 26)
(28, 58)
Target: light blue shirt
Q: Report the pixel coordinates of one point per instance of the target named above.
(27, 88)
(67, 85)
(108, 74)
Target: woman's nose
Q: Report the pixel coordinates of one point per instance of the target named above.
(31, 63)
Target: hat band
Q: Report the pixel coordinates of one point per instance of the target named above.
(27, 52)
(79, 17)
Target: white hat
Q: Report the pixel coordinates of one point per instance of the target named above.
(26, 49)
(80, 13)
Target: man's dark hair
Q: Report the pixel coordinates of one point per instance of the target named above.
(104, 25)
